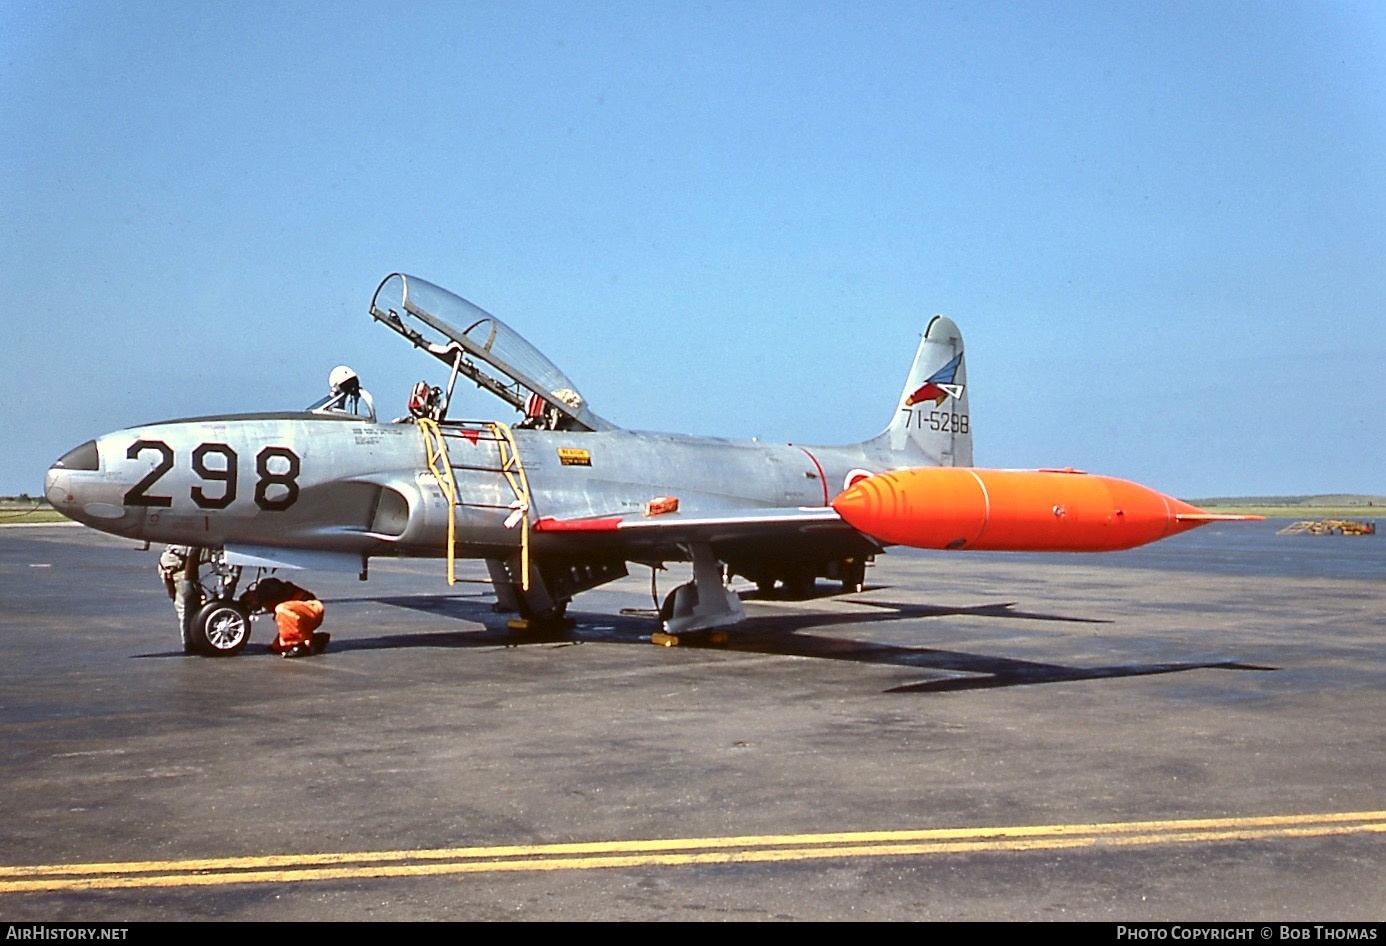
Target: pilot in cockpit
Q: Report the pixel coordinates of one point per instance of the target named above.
(347, 394)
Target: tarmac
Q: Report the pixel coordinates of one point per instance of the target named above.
(1190, 731)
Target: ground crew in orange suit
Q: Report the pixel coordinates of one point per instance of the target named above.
(297, 613)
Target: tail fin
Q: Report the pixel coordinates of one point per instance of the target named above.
(932, 426)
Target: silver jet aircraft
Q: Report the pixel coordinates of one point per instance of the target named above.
(557, 502)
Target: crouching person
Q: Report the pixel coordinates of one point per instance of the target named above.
(297, 613)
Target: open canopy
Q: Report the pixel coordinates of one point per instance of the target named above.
(476, 344)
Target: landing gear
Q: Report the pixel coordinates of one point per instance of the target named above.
(221, 629)
(552, 584)
(795, 582)
(853, 573)
(213, 623)
(551, 618)
(703, 602)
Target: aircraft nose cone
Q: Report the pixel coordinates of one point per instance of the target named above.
(55, 485)
(57, 489)
(70, 486)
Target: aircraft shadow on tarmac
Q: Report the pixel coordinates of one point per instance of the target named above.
(779, 634)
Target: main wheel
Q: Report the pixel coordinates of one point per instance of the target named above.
(221, 629)
(524, 605)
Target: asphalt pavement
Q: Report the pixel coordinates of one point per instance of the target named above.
(1190, 731)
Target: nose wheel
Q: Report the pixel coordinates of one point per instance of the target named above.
(221, 629)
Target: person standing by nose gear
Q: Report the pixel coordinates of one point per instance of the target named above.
(180, 567)
(297, 612)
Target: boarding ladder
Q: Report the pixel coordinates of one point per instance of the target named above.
(508, 465)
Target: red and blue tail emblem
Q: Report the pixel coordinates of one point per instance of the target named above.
(939, 386)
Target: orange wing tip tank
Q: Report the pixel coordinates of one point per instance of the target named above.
(1015, 510)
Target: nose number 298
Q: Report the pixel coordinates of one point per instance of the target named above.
(276, 468)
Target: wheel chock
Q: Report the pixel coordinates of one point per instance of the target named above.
(692, 639)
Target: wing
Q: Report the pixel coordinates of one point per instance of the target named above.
(791, 533)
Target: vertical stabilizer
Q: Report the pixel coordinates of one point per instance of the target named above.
(932, 425)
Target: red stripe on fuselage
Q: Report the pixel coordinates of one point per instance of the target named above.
(821, 478)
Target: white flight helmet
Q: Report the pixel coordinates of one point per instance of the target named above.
(342, 379)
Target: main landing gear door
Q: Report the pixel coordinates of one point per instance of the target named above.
(484, 349)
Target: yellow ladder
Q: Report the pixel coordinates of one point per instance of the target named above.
(514, 471)
(511, 467)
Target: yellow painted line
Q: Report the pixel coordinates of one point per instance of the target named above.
(675, 852)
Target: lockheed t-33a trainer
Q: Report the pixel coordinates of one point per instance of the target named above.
(562, 500)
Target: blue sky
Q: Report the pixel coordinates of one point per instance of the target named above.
(1161, 227)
